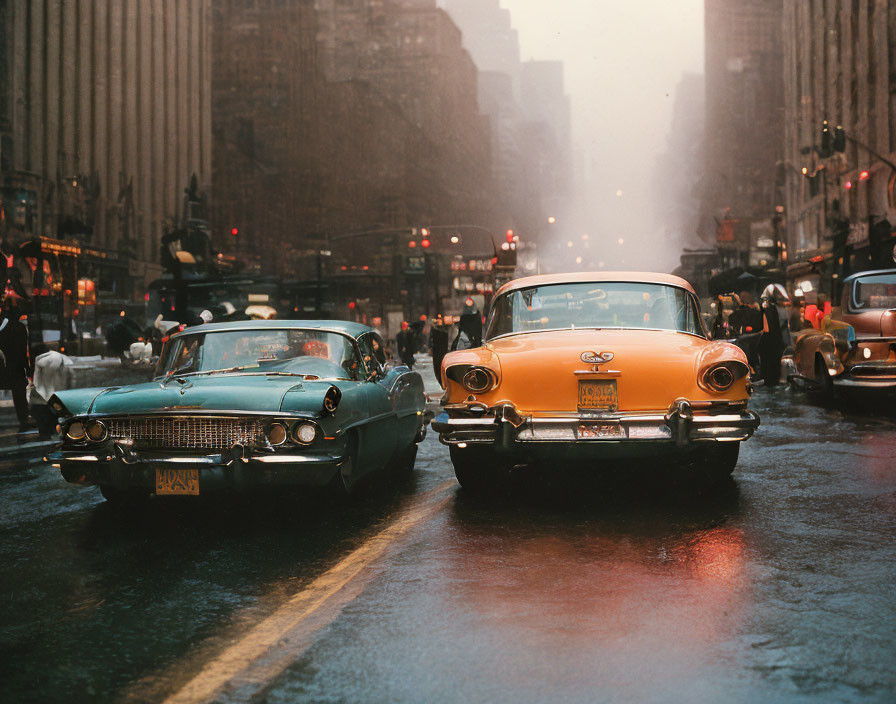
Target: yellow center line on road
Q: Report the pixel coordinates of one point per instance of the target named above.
(252, 663)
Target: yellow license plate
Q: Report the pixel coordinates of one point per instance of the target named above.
(177, 482)
(598, 395)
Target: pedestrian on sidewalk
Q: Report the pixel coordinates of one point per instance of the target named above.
(15, 360)
(52, 373)
(404, 342)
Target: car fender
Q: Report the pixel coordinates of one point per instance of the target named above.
(808, 346)
(74, 402)
(719, 352)
(478, 356)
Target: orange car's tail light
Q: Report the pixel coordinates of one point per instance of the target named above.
(477, 380)
(721, 377)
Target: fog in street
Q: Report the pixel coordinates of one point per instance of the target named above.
(623, 63)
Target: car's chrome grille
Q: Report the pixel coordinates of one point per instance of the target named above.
(187, 431)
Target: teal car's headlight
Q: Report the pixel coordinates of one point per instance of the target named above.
(75, 431)
(304, 433)
(277, 434)
(96, 431)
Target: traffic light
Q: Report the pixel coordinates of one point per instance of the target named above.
(827, 141)
(839, 141)
(425, 244)
(509, 235)
(234, 231)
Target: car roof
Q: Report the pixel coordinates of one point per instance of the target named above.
(339, 326)
(868, 273)
(597, 277)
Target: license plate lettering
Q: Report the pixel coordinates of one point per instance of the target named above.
(600, 430)
(598, 395)
(177, 482)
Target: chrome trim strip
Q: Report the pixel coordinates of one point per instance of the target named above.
(230, 414)
(136, 458)
(535, 332)
(867, 382)
(296, 459)
(598, 372)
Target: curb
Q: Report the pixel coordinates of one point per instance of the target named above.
(28, 449)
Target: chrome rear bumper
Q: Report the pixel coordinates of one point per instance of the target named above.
(682, 424)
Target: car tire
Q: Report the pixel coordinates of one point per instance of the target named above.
(125, 498)
(403, 465)
(344, 481)
(477, 469)
(718, 462)
(823, 378)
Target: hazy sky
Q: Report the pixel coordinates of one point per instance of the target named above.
(623, 60)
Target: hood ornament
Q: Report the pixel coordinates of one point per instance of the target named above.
(597, 357)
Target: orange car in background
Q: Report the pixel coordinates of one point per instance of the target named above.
(594, 366)
(854, 349)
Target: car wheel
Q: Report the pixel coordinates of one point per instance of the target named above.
(123, 497)
(403, 465)
(718, 462)
(476, 468)
(344, 481)
(823, 378)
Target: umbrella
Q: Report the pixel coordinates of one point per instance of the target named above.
(746, 279)
(776, 291)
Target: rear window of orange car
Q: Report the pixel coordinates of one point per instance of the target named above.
(626, 305)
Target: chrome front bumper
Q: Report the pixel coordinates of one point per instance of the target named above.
(238, 467)
(868, 375)
(682, 425)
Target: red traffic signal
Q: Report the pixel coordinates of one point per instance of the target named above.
(234, 231)
(352, 305)
(510, 235)
(425, 244)
(412, 244)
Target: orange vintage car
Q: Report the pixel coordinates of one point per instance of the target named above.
(592, 366)
(855, 348)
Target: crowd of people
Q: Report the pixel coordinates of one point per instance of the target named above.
(765, 329)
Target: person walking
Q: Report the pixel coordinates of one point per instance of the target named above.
(775, 337)
(404, 342)
(15, 361)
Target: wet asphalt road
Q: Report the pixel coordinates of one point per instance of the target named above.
(777, 587)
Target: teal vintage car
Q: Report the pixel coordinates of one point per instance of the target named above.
(246, 404)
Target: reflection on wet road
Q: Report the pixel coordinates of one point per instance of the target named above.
(776, 587)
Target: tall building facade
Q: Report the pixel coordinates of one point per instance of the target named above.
(529, 114)
(105, 117)
(266, 99)
(840, 67)
(340, 129)
(744, 136)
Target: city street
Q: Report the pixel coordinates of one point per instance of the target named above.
(777, 587)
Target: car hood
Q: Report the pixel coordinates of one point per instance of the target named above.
(219, 392)
(655, 367)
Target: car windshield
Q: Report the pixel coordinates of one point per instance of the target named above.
(311, 353)
(874, 292)
(595, 305)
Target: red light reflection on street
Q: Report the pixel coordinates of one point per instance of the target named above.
(599, 598)
(715, 555)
